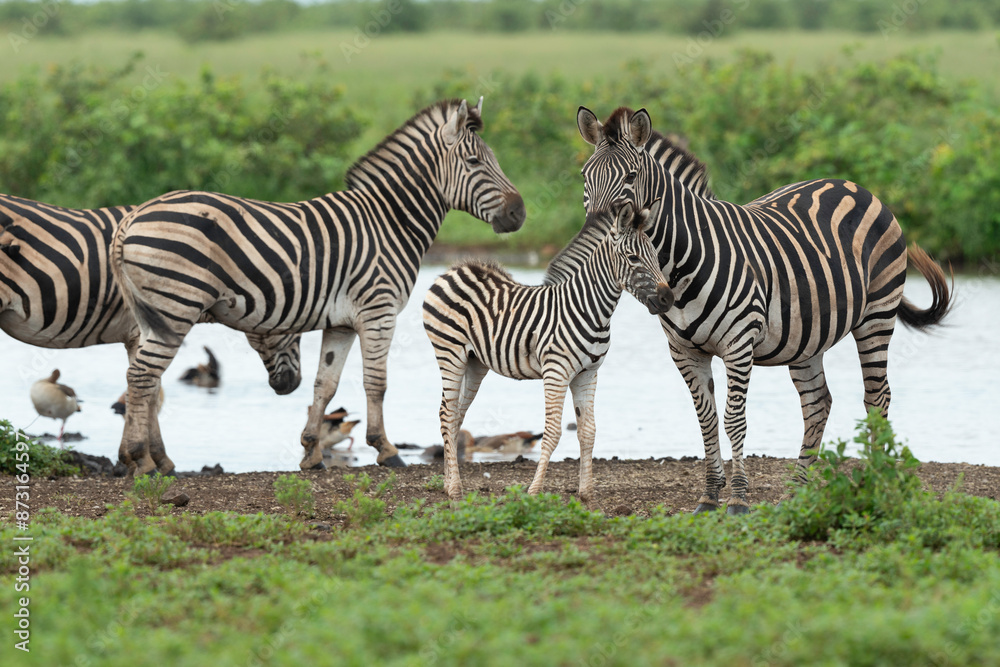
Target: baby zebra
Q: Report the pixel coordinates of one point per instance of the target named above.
(479, 318)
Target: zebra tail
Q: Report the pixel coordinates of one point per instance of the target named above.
(914, 317)
(148, 318)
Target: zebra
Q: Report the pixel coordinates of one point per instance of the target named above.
(775, 282)
(478, 319)
(57, 291)
(344, 263)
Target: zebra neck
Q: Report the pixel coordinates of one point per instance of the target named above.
(400, 179)
(577, 252)
(593, 288)
(684, 240)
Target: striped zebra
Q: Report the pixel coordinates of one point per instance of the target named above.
(57, 291)
(478, 319)
(343, 263)
(776, 282)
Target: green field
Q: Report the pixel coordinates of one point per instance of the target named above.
(860, 567)
(913, 117)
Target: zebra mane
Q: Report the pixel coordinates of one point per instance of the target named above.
(425, 122)
(678, 161)
(485, 269)
(616, 127)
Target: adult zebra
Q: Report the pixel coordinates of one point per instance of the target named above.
(776, 282)
(57, 291)
(344, 262)
(478, 319)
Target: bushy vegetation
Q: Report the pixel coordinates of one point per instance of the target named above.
(148, 490)
(927, 145)
(227, 19)
(899, 576)
(83, 137)
(21, 455)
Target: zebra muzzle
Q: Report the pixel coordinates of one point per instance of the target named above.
(512, 216)
(662, 301)
(285, 382)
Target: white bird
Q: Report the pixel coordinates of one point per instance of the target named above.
(55, 400)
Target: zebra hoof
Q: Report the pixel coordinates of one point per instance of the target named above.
(702, 508)
(393, 462)
(736, 510)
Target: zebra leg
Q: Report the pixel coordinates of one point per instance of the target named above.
(739, 364)
(555, 395)
(459, 386)
(696, 369)
(149, 357)
(376, 337)
(810, 382)
(583, 387)
(156, 449)
(333, 353)
(872, 337)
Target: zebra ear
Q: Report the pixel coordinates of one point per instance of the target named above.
(455, 124)
(640, 127)
(477, 111)
(648, 217)
(624, 218)
(590, 128)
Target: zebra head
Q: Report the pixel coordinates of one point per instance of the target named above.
(471, 179)
(618, 171)
(635, 258)
(280, 354)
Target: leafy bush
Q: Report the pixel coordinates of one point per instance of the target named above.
(149, 489)
(20, 454)
(364, 509)
(294, 494)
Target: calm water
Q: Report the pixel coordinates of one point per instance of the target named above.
(943, 388)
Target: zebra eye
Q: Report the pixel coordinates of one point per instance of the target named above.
(630, 177)
(634, 258)
(472, 159)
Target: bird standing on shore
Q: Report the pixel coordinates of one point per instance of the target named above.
(508, 443)
(208, 376)
(54, 400)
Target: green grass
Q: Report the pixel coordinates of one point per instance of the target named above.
(528, 580)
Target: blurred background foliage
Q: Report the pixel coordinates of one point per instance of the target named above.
(924, 140)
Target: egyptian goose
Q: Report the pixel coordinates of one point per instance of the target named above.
(508, 443)
(207, 375)
(334, 429)
(55, 400)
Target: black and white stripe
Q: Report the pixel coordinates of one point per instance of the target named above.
(343, 263)
(778, 281)
(479, 319)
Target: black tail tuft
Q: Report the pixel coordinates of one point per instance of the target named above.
(941, 303)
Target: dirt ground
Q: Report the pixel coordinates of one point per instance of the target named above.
(623, 487)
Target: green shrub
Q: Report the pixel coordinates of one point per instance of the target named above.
(435, 483)
(364, 509)
(20, 455)
(295, 496)
(149, 490)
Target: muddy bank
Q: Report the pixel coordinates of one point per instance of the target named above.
(623, 487)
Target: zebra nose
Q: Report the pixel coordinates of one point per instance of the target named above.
(512, 216)
(663, 300)
(285, 382)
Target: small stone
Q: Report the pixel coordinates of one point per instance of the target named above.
(180, 500)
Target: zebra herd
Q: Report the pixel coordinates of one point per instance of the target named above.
(777, 281)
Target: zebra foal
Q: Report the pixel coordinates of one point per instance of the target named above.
(478, 319)
(57, 290)
(343, 263)
(775, 282)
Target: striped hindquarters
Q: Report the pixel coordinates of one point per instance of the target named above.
(56, 287)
